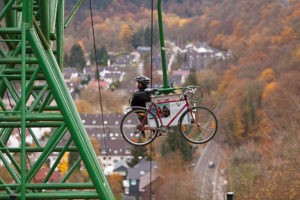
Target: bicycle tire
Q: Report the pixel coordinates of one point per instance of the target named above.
(206, 123)
(130, 131)
(196, 98)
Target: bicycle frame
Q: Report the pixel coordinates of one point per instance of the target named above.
(158, 114)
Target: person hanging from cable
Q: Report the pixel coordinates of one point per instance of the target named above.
(140, 98)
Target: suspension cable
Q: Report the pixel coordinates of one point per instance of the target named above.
(98, 79)
(151, 76)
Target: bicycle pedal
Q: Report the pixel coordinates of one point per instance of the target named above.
(159, 134)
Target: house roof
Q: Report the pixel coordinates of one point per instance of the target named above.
(140, 169)
(96, 120)
(121, 166)
(95, 83)
(43, 172)
(145, 180)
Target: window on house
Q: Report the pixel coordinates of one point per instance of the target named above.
(133, 182)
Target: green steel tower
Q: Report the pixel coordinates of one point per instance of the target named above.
(33, 95)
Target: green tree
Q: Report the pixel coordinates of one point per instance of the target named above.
(192, 79)
(147, 36)
(76, 58)
(138, 38)
(66, 60)
(179, 60)
(102, 56)
(138, 152)
(175, 142)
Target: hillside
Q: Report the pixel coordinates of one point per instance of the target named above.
(259, 86)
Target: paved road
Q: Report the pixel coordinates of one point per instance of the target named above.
(209, 181)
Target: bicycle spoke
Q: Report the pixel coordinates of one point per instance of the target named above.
(135, 128)
(201, 127)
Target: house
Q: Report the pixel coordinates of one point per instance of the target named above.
(112, 74)
(113, 147)
(132, 183)
(149, 184)
(124, 60)
(121, 168)
(70, 73)
(42, 174)
(95, 84)
(142, 50)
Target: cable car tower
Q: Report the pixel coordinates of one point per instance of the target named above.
(33, 95)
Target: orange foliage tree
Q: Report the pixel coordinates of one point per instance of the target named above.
(115, 181)
(126, 35)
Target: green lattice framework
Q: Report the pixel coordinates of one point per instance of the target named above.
(31, 51)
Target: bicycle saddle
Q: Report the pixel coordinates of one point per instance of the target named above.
(151, 90)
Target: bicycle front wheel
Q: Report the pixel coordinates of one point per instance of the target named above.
(198, 125)
(139, 127)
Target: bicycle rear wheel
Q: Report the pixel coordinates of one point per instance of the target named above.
(198, 125)
(139, 127)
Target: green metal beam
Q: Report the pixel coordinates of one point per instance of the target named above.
(23, 114)
(32, 117)
(73, 12)
(29, 85)
(51, 186)
(71, 170)
(11, 158)
(6, 8)
(44, 19)
(16, 60)
(35, 149)
(31, 124)
(162, 45)
(53, 141)
(66, 104)
(10, 169)
(56, 195)
(60, 33)
(59, 157)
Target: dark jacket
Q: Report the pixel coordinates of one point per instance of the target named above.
(140, 98)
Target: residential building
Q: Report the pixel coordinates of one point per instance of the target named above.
(132, 183)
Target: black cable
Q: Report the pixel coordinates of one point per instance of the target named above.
(151, 51)
(151, 76)
(98, 79)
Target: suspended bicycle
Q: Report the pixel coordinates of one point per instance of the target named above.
(140, 126)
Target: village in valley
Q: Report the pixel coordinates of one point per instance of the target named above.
(117, 76)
